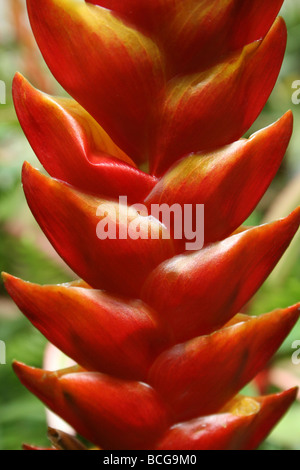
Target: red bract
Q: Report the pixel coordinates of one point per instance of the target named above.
(88, 158)
(229, 182)
(243, 424)
(102, 332)
(155, 329)
(206, 110)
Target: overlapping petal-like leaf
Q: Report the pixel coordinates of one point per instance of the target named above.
(145, 15)
(272, 408)
(122, 67)
(74, 148)
(118, 263)
(101, 408)
(99, 331)
(244, 425)
(208, 110)
(199, 292)
(229, 182)
(200, 376)
(186, 31)
(197, 42)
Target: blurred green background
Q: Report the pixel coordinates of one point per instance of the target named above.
(25, 252)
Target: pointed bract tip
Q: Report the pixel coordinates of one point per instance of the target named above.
(22, 370)
(9, 282)
(291, 222)
(5, 276)
(288, 117)
(30, 176)
(9, 279)
(294, 217)
(35, 377)
(15, 286)
(27, 169)
(33, 177)
(20, 88)
(22, 91)
(292, 393)
(292, 312)
(285, 122)
(18, 79)
(279, 27)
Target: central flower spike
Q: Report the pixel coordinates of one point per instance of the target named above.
(161, 349)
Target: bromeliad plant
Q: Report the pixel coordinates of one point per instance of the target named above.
(161, 347)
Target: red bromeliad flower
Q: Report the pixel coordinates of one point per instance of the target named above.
(162, 350)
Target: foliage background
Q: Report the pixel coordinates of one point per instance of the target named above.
(25, 252)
